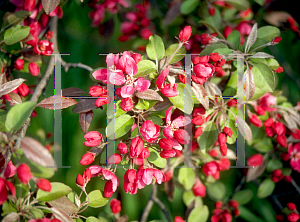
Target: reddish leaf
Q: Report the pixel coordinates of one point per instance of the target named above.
(84, 105)
(72, 91)
(61, 215)
(161, 105)
(149, 94)
(201, 95)
(255, 172)
(49, 5)
(244, 128)
(11, 217)
(64, 204)
(10, 86)
(249, 84)
(61, 103)
(15, 98)
(36, 152)
(85, 120)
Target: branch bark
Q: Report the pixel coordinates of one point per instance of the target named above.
(75, 65)
(153, 199)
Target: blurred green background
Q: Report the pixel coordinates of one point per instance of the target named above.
(77, 37)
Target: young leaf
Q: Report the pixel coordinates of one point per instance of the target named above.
(209, 136)
(235, 38)
(72, 91)
(92, 219)
(155, 49)
(64, 204)
(262, 55)
(49, 103)
(11, 217)
(267, 33)
(188, 6)
(212, 89)
(186, 177)
(61, 215)
(243, 196)
(255, 172)
(149, 94)
(96, 199)
(84, 105)
(156, 159)
(14, 18)
(251, 38)
(249, 84)
(15, 98)
(18, 114)
(216, 190)
(58, 190)
(244, 128)
(16, 34)
(145, 67)
(121, 125)
(180, 100)
(10, 86)
(199, 214)
(266, 188)
(239, 4)
(36, 152)
(201, 95)
(180, 54)
(263, 77)
(49, 5)
(85, 120)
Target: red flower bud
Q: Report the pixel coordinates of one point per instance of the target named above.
(222, 138)
(93, 138)
(130, 176)
(100, 101)
(182, 136)
(44, 184)
(122, 147)
(108, 189)
(34, 69)
(255, 121)
(114, 159)
(211, 11)
(276, 40)
(211, 168)
(87, 174)
(233, 203)
(198, 111)
(296, 134)
(285, 156)
(115, 206)
(223, 149)
(181, 78)
(165, 144)
(269, 131)
(185, 34)
(136, 147)
(146, 33)
(227, 131)
(277, 173)
(287, 179)
(197, 60)
(235, 212)
(96, 91)
(19, 64)
(178, 219)
(279, 70)
(29, 5)
(198, 120)
(259, 110)
(218, 205)
(145, 153)
(23, 90)
(293, 217)
(278, 128)
(198, 132)
(126, 104)
(232, 102)
(213, 153)
(291, 206)
(281, 140)
(79, 180)
(215, 57)
(199, 189)
(24, 174)
(255, 160)
(167, 153)
(87, 158)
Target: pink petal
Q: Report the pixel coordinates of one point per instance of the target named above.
(176, 145)
(181, 121)
(128, 64)
(3, 191)
(168, 132)
(170, 92)
(162, 76)
(142, 84)
(127, 91)
(95, 170)
(168, 114)
(108, 175)
(10, 187)
(116, 77)
(110, 60)
(101, 75)
(158, 175)
(147, 176)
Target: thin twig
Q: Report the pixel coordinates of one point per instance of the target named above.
(75, 65)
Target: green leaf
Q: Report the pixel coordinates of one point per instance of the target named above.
(266, 188)
(257, 94)
(235, 38)
(58, 190)
(211, 48)
(267, 33)
(217, 190)
(239, 4)
(264, 145)
(145, 104)
(263, 77)
(188, 6)
(16, 34)
(199, 214)
(272, 63)
(155, 49)
(96, 199)
(259, 60)
(8, 207)
(14, 19)
(186, 177)
(92, 219)
(145, 67)
(213, 23)
(260, 2)
(18, 114)
(188, 197)
(156, 120)
(211, 26)
(247, 215)
(274, 164)
(40, 171)
(209, 135)
(170, 51)
(184, 95)
(121, 126)
(223, 51)
(2, 120)
(257, 134)
(243, 196)
(156, 159)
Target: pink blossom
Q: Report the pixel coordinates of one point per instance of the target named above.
(44, 47)
(57, 12)
(150, 131)
(294, 152)
(5, 185)
(141, 84)
(185, 34)
(136, 147)
(10, 170)
(267, 101)
(93, 138)
(127, 91)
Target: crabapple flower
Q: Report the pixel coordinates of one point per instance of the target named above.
(122, 147)
(136, 147)
(201, 72)
(126, 104)
(114, 159)
(165, 144)
(150, 131)
(93, 138)
(6, 186)
(294, 153)
(198, 188)
(43, 184)
(185, 34)
(87, 158)
(19, 64)
(115, 206)
(81, 181)
(44, 47)
(34, 69)
(108, 175)
(96, 91)
(23, 90)
(24, 174)
(166, 89)
(167, 153)
(267, 101)
(211, 168)
(10, 170)
(255, 160)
